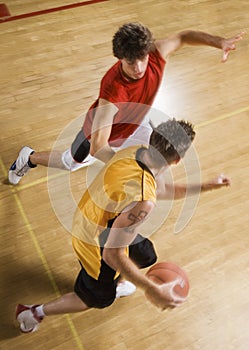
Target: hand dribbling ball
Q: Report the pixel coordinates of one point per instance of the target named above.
(164, 272)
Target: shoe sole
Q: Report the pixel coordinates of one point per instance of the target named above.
(24, 330)
(20, 309)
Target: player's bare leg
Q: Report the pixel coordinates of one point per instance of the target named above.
(48, 159)
(30, 316)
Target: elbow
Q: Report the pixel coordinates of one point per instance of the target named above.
(111, 257)
(94, 149)
(92, 152)
(96, 146)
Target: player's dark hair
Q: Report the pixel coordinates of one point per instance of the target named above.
(132, 41)
(170, 141)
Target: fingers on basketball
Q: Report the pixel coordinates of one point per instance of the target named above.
(166, 272)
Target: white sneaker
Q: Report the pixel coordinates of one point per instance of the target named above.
(124, 289)
(72, 165)
(20, 167)
(27, 318)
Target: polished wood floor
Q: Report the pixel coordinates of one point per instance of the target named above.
(51, 66)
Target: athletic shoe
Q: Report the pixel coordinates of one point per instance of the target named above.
(72, 165)
(124, 289)
(21, 165)
(27, 318)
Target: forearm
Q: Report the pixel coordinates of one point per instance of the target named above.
(101, 131)
(178, 191)
(104, 154)
(192, 37)
(120, 262)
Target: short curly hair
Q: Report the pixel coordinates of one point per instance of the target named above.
(132, 41)
(171, 140)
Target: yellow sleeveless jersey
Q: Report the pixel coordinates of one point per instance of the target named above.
(122, 181)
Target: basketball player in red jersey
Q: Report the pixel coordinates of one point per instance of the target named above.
(127, 91)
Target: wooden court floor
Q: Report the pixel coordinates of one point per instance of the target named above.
(50, 69)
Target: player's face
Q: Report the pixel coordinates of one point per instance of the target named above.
(135, 69)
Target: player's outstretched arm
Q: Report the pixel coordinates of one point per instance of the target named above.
(192, 37)
(167, 191)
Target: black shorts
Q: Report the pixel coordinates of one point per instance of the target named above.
(102, 292)
(142, 252)
(97, 293)
(80, 147)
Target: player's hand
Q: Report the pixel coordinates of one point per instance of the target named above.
(220, 181)
(229, 45)
(163, 296)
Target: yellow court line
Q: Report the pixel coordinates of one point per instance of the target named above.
(37, 182)
(224, 116)
(41, 256)
(36, 244)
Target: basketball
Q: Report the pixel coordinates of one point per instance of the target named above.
(165, 272)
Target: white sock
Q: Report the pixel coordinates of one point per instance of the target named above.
(39, 311)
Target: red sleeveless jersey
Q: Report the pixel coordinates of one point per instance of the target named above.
(132, 98)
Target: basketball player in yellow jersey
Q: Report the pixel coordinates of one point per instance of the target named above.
(107, 221)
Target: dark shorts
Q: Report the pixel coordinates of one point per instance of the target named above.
(97, 293)
(102, 292)
(142, 252)
(80, 147)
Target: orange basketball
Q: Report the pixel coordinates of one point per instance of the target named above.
(164, 272)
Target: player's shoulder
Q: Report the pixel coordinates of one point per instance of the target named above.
(155, 56)
(112, 73)
(112, 77)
